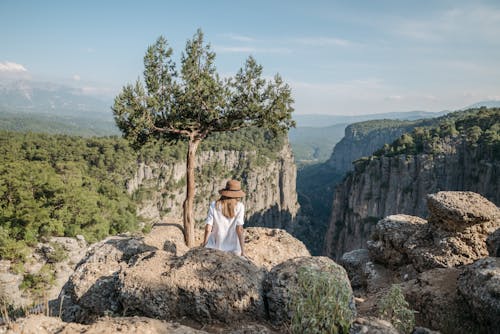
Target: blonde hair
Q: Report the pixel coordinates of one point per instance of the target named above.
(227, 205)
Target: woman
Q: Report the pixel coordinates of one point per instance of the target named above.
(224, 224)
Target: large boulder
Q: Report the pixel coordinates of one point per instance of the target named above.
(452, 240)
(479, 283)
(493, 243)
(282, 281)
(91, 290)
(434, 297)
(395, 237)
(204, 285)
(457, 210)
(267, 247)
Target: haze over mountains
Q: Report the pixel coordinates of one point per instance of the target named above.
(28, 105)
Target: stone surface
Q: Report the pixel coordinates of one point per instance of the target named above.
(372, 325)
(394, 237)
(405, 240)
(493, 243)
(479, 283)
(434, 297)
(39, 324)
(74, 250)
(268, 247)
(91, 289)
(282, 280)
(354, 263)
(203, 285)
(457, 210)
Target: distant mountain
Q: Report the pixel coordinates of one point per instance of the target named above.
(36, 106)
(26, 96)
(487, 104)
(321, 120)
(314, 144)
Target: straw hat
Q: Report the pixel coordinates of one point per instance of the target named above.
(232, 189)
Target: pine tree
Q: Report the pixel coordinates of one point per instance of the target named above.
(194, 102)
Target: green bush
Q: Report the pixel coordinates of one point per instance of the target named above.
(394, 308)
(38, 283)
(320, 304)
(59, 254)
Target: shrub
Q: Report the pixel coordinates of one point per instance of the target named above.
(394, 308)
(38, 283)
(320, 304)
(58, 254)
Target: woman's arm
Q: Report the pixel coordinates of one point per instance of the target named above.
(208, 230)
(241, 238)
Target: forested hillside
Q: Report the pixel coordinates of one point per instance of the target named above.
(58, 185)
(460, 153)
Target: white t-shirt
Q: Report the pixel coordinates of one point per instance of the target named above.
(224, 236)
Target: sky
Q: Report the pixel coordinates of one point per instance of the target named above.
(339, 57)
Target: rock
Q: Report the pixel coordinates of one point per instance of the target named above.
(434, 297)
(376, 277)
(456, 210)
(268, 247)
(405, 240)
(39, 324)
(479, 283)
(249, 329)
(354, 263)
(204, 285)
(167, 235)
(493, 243)
(394, 237)
(372, 325)
(91, 289)
(424, 330)
(282, 280)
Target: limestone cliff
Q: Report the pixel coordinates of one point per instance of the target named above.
(398, 183)
(269, 183)
(363, 138)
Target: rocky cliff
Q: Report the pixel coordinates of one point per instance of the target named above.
(269, 183)
(397, 180)
(364, 138)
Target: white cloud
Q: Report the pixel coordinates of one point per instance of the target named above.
(12, 67)
(239, 38)
(249, 49)
(324, 41)
(76, 77)
(465, 24)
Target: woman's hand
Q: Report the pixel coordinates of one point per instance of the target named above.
(208, 230)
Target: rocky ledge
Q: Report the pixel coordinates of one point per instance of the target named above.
(442, 263)
(157, 277)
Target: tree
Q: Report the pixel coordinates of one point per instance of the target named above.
(195, 102)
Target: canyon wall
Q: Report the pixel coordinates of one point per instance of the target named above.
(269, 183)
(386, 185)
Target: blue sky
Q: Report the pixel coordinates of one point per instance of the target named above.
(340, 57)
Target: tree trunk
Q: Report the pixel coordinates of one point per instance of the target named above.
(190, 191)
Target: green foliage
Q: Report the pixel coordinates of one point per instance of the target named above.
(62, 186)
(192, 102)
(37, 283)
(479, 127)
(58, 254)
(395, 309)
(320, 304)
